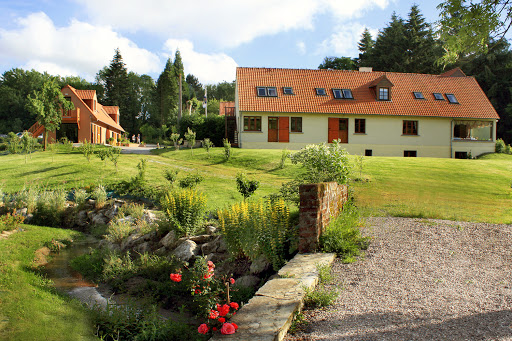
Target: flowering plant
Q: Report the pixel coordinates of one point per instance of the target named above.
(208, 292)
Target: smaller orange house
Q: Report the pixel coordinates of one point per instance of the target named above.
(89, 120)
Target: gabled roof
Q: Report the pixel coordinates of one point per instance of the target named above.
(473, 102)
(112, 109)
(86, 94)
(100, 114)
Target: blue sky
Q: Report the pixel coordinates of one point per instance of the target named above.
(78, 37)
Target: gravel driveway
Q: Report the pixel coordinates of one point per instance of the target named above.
(422, 280)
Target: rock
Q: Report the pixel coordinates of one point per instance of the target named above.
(161, 251)
(211, 230)
(81, 218)
(217, 258)
(22, 211)
(143, 248)
(259, 265)
(150, 236)
(211, 247)
(223, 246)
(99, 219)
(186, 250)
(28, 218)
(149, 216)
(201, 239)
(247, 281)
(128, 219)
(169, 240)
(130, 241)
(112, 211)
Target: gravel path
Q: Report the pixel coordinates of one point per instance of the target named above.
(422, 280)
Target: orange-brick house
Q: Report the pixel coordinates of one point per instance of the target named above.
(89, 120)
(372, 113)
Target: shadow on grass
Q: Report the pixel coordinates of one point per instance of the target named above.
(37, 171)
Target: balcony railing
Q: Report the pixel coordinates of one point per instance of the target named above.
(229, 111)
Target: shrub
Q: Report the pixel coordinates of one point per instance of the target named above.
(245, 186)
(27, 197)
(259, 228)
(175, 138)
(342, 235)
(50, 208)
(171, 175)
(285, 154)
(359, 165)
(227, 149)
(500, 146)
(114, 154)
(117, 231)
(10, 221)
(207, 144)
(80, 195)
(191, 180)
(104, 154)
(87, 149)
(190, 136)
(100, 196)
(184, 209)
(133, 210)
(14, 143)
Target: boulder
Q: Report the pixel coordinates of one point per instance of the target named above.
(247, 281)
(82, 218)
(112, 211)
(143, 248)
(186, 250)
(22, 211)
(130, 241)
(99, 219)
(201, 239)
(149, 216)
(169, 240)
(211, 230)
(223, 246)
(211, 247)
(259, 265)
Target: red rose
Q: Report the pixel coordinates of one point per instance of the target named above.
(203, 329)
(224, 310)
(232, 280)
(213, 314)
(197, 291)
(234, 325)
(234, 305)
(222, 319)
(210, 264)
(208, 276)
(227, 329)
(214, 329)
(175, 277)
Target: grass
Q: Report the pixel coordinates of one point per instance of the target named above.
(30, 308)
(468, 190)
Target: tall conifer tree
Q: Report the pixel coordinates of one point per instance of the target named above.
(365, 47)
(166, 93)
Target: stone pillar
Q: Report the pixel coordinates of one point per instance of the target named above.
(318, 203)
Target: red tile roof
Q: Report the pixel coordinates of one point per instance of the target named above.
(112, 110)
(473, 102)
(86, 94)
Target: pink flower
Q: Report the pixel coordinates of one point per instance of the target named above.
(222, 319)
(232, 280)
(223, 310)
(227, 329)
(234, 305)
(213, 314)
(175, 277)
(203, 329)
(210, 264)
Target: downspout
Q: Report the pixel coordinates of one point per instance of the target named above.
(451, 139)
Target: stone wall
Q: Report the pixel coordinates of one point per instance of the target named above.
(318, 203)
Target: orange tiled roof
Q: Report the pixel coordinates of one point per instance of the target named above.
(224, 105)
(111, 109)
(86, 94)
(473, 102)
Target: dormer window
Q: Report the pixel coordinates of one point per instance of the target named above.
(383, 94)
(451, 98)
(342, 93)
(321, 92)
(267, 91)
(288, 91)
(438, 96)
(418, 95)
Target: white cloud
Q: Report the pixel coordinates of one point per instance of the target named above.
(301, 46)
(227, 23)
(344, 41)
(78, 49)
(208, 68)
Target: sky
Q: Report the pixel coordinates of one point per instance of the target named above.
(79, 37)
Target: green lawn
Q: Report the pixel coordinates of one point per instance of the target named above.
(30, 309)
(472, 190)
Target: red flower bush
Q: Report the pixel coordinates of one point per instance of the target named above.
(222, 319)
(223, 310)
(203, 328)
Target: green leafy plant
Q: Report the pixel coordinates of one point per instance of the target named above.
(131, 209)
(184, 210)
(175, 138)
(245, 186)
(114, 155)
(28, 144)
(252, 229)
(104, 154)
(14, 143)
(10, 221)
(50, 208)
(80, 195)
(171, 175)
(52, 148)
(227, 149)
(324, 273)
(190, 136)
(191, 180)
(285, 154)
(87, 149)
(319, 297)
(99, 194)
(117, 231)
(207, 144)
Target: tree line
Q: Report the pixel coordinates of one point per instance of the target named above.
(411, 45)
(145, 105)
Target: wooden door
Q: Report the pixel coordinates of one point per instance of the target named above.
(273, 130)
(333, 132)
(343, 130)
(284, 129)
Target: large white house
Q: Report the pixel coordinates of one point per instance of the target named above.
(372, 113)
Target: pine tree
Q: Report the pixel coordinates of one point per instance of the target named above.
(195, 87)
(116, 82)
(166, 94)
(365, 47)
(390, 45)
(179, 70)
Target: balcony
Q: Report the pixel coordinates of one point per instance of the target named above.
(229, 111)
(71, 116)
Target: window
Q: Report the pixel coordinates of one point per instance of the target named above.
(409, 153)
(418, 95)
(438, 96)
(410, 128)
(342, 93)
(384, 94)
(267, 91)
(473, 130)
(360, 126)
(288, 91)
(367, 152)
(320, 92)
(347, 93)
(461, 155)
(451, 98)
(252, 123)
(296, 124)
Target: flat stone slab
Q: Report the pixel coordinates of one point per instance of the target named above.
(268, 315)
